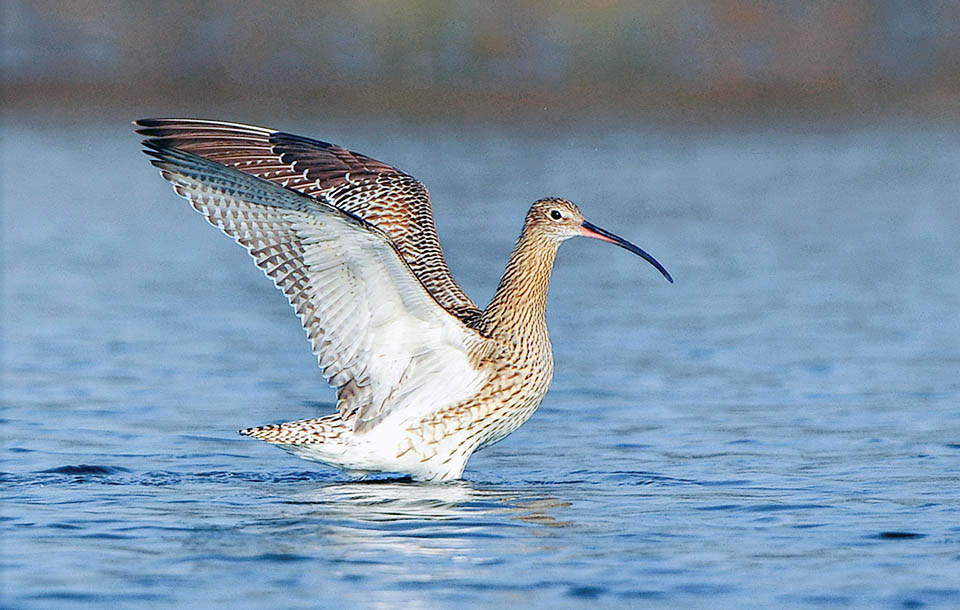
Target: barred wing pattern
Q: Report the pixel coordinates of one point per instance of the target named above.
(394, 202)
(379, 336)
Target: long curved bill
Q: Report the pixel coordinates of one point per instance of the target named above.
(592, 230)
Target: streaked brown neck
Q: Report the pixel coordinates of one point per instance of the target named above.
(521, 298)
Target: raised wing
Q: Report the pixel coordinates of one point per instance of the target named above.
(394, 202)
(380, 337)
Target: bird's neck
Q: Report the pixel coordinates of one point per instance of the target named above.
(520, 302)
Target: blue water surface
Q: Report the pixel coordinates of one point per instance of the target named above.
(780, 428)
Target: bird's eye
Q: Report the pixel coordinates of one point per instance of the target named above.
(555, 214)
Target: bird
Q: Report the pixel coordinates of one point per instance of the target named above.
(423, 377)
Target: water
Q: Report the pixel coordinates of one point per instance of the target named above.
(781, 427)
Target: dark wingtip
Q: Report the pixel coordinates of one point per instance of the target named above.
(154, 122)
(153, 144)
(143, 125)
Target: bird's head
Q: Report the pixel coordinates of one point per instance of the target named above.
(558, 220)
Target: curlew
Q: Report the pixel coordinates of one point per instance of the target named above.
(423, 377)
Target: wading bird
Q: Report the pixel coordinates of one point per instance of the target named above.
(423, 376)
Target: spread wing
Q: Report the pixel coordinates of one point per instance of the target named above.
(394, 202)
(380, 337)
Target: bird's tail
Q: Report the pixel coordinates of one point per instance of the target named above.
(329, 429)
(329, 440)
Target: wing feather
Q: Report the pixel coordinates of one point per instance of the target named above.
(379, 336)
(391, 200)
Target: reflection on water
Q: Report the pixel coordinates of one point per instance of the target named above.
(391, 500)
(415, 519)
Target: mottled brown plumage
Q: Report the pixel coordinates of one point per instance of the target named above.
(424, 378)
(396, 203)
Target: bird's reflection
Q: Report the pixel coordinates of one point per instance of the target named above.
(403, 517)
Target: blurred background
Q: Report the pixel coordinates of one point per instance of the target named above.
(780, 428)
(706, 60)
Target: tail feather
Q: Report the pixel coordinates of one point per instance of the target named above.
(304, 432)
